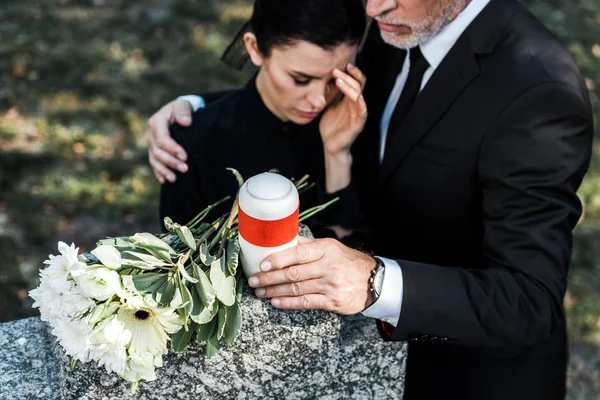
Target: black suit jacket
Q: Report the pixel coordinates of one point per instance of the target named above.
(476, 200)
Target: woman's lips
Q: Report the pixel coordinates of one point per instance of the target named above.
(308, 115)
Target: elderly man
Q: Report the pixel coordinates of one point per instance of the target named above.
(479, 135)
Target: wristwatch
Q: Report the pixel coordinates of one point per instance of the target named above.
(376, 278)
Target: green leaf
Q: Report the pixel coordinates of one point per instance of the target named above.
(165, 293)
(186, 236)
(233, 324)
(184, 273)
(205, 331)
(186, 297)
(224, 286)
(181, 338)
(212, 347)
(116, 242)
(233, 252)
(222, 321)
(239, 287)
(149, 261)
(205, 256)
(168, 222)
(204, 286)
(144, 282)
(153, 245)
(206, 314)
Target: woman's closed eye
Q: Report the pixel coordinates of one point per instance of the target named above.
(301, 82)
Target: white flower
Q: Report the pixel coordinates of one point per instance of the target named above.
(72, 335)
(59, 267)
(149, 327)
(96, 282)
(109, 340)
(140, 365)
(108, 256)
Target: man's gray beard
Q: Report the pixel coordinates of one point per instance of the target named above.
(419, 35)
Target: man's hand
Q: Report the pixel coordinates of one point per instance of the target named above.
(164, 153)
(320, 274)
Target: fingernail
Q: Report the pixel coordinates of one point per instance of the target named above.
(350, 65)
(340, 81)
(275, 302)
(182, 167)
(184, 117)
(253, 281)
(260, 292)
(171, 178)
(265, 266)
(181, 156)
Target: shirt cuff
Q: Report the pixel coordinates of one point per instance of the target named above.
(389, 304)
(197, 102)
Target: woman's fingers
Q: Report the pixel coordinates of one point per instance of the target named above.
(357, 74)
(347, 80)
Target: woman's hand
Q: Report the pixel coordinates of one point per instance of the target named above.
(340, 125)
(343, 121)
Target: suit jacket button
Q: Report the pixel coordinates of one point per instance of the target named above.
(434, 339)
(414, 336)
(425, 338)
(444, 339)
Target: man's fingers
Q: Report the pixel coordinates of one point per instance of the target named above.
(168, 160)
(311, 286)
(291, 274)
(161, 172)
(183, 112)
(301, 254)
(306, 302)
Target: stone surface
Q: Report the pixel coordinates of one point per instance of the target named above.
(279, 354)
(29, 367)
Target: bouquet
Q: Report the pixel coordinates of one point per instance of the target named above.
(122, 303)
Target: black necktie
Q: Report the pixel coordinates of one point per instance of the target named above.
(418, 66)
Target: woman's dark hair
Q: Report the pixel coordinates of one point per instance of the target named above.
(326, 23)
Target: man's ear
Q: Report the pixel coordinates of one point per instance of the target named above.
(252, 48)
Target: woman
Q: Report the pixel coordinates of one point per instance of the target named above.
(299, 114)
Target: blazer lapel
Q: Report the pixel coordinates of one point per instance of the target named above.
(451, 77)
(458, 69)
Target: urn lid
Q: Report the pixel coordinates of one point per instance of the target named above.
(268, 196)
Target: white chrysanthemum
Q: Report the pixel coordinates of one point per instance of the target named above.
(59, 267)
(140, 365)
(72, 336)
(96, 282)
(48, 301)
(109, 340)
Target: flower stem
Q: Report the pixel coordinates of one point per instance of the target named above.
(314, 210)
(200, 216)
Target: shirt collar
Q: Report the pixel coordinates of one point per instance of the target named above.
(435, 49)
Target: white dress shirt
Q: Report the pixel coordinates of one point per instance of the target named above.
(387, 308)
(389, 305)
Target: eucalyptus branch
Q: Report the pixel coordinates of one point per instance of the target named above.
(202, 214)
(314, 210)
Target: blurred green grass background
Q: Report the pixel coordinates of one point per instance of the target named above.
(78, 81)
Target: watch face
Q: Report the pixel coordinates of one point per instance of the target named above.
(378, 281)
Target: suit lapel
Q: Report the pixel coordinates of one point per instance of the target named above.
(449, 80)
(458, 69)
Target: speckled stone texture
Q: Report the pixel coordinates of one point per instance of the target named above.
(278, 355)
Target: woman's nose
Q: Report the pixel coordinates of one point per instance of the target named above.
(318, 99)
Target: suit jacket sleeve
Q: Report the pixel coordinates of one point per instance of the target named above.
(531, 164)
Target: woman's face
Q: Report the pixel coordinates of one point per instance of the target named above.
(296, 81)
